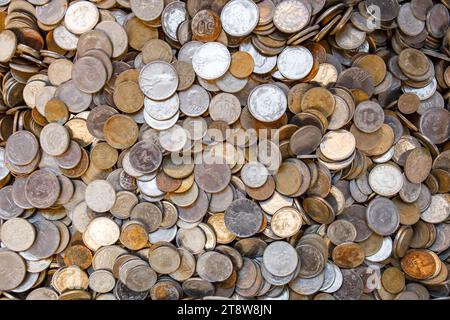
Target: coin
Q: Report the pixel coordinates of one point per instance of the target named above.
(100, 196)
(291, 16)
(42, 189)
(286, 222)
(369, 116)
(298, 70)
(386, 180)
(382, 216)
(96, 79)
(158, 80)
(239, 17)
(120, 131)
(242, 64)
(22, 147)
(47, 239)
(55, 139)
(243, 210)
(18, 234)
(13, 270)
(211, 60)
(419, 264)
(267, 103)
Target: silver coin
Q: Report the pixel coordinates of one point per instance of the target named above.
(194, 101)
(211, 61)
(254, 174)
(423, 93)
(267, 103)
(280, 258)
(386, 179)
(163, 124)
(239, 17)
(162, 110)
(173, 15)
(295, 63)
(158, 80)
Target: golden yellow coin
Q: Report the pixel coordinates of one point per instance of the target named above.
(120, 131)
(128, 97)
(103, 156)
(56, 111)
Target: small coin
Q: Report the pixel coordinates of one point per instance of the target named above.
(291, 16)
(348, 255)
(22, 148)
(120, 131)
(386, 180)
(42, 189)
(239, 17)
(242, 64)
(254, 174)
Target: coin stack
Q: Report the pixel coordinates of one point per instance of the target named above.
(224, 149)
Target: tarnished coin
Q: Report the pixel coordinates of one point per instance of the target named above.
(18, 234)
(22, 147)
(13, 270)
(386, 179)
(383, 216)
(286, 222)
(55, 139)
(341, 231)
(100, 195)
(47, 239)
(214, 267)
(42, 189)
(244, 218)
(212, 177)
(145, 156)
(369, 116)
(280, 258)
(254, 174)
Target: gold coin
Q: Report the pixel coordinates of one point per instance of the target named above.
(319, 99)
(103, 156)
(128, 97)
(120, 131)
(56, 111)
(134, 236)
(242, 64)
(393, 280)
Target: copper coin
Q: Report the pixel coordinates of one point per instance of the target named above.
(206, 26)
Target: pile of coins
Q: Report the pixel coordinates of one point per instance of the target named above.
(224, 149)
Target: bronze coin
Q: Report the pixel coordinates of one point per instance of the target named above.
(206, 26)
